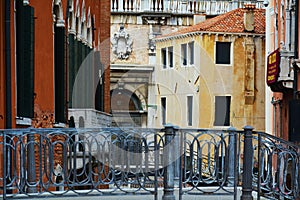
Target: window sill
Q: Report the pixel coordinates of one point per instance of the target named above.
(59, 125)
(24, 121)
(185, 66)
(223, 65)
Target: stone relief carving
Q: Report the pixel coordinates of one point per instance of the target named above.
(121, 43)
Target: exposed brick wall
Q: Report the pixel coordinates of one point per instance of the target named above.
(105, 49)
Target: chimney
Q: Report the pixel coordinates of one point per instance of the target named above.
(249, 17)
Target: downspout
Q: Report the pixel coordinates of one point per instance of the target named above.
(67, 62)
(8, 98)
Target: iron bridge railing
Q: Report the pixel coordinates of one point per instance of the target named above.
(114, 161)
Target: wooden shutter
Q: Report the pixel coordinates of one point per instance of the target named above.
(72, 67)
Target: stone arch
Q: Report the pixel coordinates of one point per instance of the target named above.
(89, 36)
(134, 90)
(77, 21)
(83, 23)
(71, 19)
(58, 15)
(125, 100)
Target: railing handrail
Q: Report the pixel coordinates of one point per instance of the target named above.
(209, 7)
(277, 158)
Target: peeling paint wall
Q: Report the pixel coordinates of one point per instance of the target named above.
(243, 80)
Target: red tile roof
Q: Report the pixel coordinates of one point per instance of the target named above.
(230, 22)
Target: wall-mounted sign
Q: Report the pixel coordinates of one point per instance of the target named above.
(273, 62)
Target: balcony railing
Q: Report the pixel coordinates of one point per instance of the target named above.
(120, 161)
(209, 7)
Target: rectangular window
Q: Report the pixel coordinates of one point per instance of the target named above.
(223, 53)
(163, 109)
(25, 60)
(164, 57)
(190, 110)
(222, 111)
(184, 54)
(59, 74)
(191, 53)
(170, 57)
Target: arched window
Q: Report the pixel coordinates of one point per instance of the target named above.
(81, 122)
(71, 18)
(89, 29)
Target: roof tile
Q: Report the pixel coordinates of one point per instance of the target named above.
(230, 22)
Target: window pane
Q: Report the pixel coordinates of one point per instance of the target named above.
(191, 52)
(164, 58)
(25, 60)
(223, 53)
(59, 73)
(183, 54)
(163, 109)
(170, 57)
(190, 110)
(222, 110)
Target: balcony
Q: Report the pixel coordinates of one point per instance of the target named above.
(179, 7)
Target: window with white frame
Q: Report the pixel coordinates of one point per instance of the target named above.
(222, 110)
(223, 53)
(167, 57)
(187, 54)
(163, 102)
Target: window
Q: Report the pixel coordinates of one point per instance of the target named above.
(25, 60)
(187, 54)
(184, 54)
(223, 53)
(191, 53)
(163, 102)
(59, 73)
(170, 57)
(222, 111)
(190, 110)
(164, 57)
(167, 57)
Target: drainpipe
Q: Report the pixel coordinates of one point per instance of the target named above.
(278, 133)
(8, 106)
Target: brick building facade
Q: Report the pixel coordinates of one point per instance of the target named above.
(42, 59)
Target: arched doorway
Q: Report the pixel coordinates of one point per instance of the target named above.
(126, 108)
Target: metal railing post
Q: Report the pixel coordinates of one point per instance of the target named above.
(247, 164)
(31, 164)
(231, 157)
(169, 164)
(177, 157)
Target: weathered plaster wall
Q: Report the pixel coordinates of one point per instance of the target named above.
(243, 80)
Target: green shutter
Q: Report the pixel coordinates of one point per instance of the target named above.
(72, 67)
(59, 70)
(25, 60)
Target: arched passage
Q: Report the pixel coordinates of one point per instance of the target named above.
(126, 108)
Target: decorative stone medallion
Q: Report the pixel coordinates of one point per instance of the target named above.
(121, 43)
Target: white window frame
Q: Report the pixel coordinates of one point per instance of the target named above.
(189, 110)
(230, 52)
(167, 57)
(187, 52)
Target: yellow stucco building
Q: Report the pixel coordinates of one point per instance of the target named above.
(212, 74)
